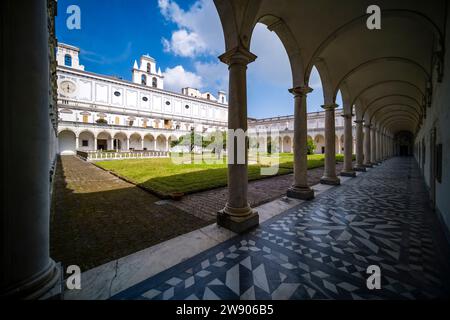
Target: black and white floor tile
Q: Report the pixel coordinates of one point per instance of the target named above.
(321, 249)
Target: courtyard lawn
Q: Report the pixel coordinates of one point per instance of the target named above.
(164, 177)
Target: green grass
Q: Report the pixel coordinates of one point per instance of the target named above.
(164, 177)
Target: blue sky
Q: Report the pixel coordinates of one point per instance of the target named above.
(185, 37)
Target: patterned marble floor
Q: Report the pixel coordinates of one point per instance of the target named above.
(322, 248)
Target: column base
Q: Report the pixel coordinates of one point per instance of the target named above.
(333, 181)
(237, 220)
(348, 174)
(302, 193)
(360, 168)
(368, 165)
(43, 286)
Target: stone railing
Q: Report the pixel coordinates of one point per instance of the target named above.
(120, 155)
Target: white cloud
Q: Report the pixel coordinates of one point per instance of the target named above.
(177, 78)
(198, 35)
(199, 30)
(184, 43)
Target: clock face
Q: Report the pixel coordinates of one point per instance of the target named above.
(67, 87)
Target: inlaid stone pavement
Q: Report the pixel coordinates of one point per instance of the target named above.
(321, 249)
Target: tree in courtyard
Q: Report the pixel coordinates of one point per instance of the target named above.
(311, 146)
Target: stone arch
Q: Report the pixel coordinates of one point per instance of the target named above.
(287, 144)
(319, 140)
(104, 141)
(290, 45)
(149, 142)
(86, 140)
(171, 138)
(135, 141)
(67, 142)
(120, 141)
(381, 60)
(161, 143)
(360, 22)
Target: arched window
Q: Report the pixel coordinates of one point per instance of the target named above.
(154, 82)
(148, 67)
(208, 96)
(144, 79)
(68, 60)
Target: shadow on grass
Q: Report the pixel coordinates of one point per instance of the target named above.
(197, 181)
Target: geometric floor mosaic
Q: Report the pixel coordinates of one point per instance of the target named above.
(321, 249)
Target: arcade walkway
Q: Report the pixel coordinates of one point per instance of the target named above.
(322, 248)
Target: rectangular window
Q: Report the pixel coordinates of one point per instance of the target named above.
(85, 143)
(85, 118)
(117, 120)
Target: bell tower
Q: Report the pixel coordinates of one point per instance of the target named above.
(67, 56)
(146, 74)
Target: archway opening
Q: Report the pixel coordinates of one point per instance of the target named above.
(86, 141)
(67, 142)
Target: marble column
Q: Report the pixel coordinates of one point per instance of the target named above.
(376, 145)
(127, 145)
(359, 146)
(348, 145)
(373, 145)
(142, 144)
(111, 143)
(329, 176)
(95, 143)
(237, 214)
(379, 156)
(27, 271)
(300, 188)
(77, 142)
(367, 146)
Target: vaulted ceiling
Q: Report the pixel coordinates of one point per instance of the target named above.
(386, 74)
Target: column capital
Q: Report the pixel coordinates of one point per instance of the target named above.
(358, 121)
(367, 125)
(347, 116)
(237, 55)
(330, 106)
(300, 91)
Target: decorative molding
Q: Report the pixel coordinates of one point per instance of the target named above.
(237, 55)
(300, 91)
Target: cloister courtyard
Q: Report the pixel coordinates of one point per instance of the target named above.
(97, 204)
(105, 210)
